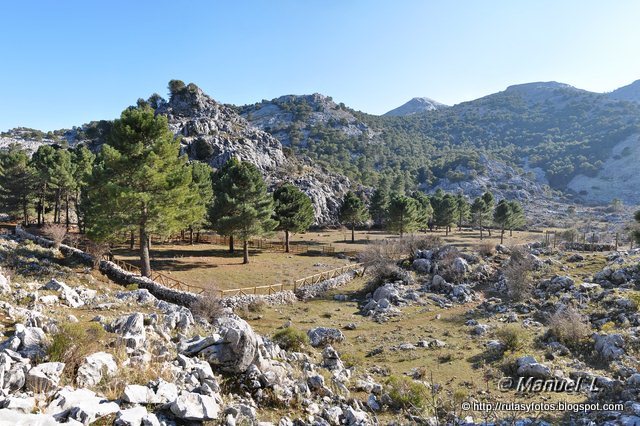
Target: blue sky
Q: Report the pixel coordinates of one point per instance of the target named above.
(68, 62)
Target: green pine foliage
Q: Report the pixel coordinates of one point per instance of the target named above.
(16, 182)
(379, 205)
(446, 212)
(353, 212)
(293, 211)
(140, 182)
(246, 208)
(403, 214)
(424, 210)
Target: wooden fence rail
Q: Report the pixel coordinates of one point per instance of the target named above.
(326, 275)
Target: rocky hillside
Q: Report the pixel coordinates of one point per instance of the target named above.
(630, 92)
(446, 327)
(212, 132)
(552, 129)
(415, 106)
(297, 120)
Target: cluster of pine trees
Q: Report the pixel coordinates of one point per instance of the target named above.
(139, 183)
(408, 213)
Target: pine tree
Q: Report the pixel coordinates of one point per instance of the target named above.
(43, 163)
(446, 213)
(222, 205)
(518, 218)
(352, 212)
(502, 217)
(82, 160)
(425, 211)
(293, 211)
(464, 210)
(403, 214)
(490, 204)
(478, 209)
(379, 206)
(247, 207)
(16, 182)
(201, 195)
(139, 182)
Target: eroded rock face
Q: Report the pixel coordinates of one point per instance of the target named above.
(214, 133)
(234, 349)
(94, 367)
(44, 377)
(193, 406)
(321, 336)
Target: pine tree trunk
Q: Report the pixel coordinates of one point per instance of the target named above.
(353, 232)
(446, 231)
(132, 241)
(245, 250)
(190, 235)
(25, 212)
(231, 248)
(489, 230)
(66, 206)
(145, 263)
(286, 241)
(502, 236)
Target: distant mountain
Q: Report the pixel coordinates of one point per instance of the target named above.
(548, 132)
(414, 106)
(630, 92)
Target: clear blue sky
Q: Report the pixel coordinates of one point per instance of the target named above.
(68, 62)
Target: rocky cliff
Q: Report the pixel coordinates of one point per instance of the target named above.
(213, 133)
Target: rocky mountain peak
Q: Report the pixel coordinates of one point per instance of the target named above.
(415, 106)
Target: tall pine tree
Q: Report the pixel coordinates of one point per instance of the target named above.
(247, 207)
(352, 212)
(139, 182)
(16, 182)
(293, 211)
(403, 214)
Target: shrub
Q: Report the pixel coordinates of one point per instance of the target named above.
(512, 337)
(291, 339)
(518, 275)
(208, 307)
(96, 251)
(73, 342)
(634, 296)
(486, 249)
(446, 267)
(407, 394)
(55, 232)
(257, 306)
(412, 243)
(569, 327)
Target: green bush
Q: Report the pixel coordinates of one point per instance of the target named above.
(407, 394)
(73, 342)
(291, 339)
(512, 337)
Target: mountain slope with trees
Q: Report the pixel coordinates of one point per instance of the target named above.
(547, 132)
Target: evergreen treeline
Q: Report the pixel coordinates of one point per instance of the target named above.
(567, 133)
(139, 184)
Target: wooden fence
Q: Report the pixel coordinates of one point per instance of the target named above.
(175, 284)
(326, 275)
